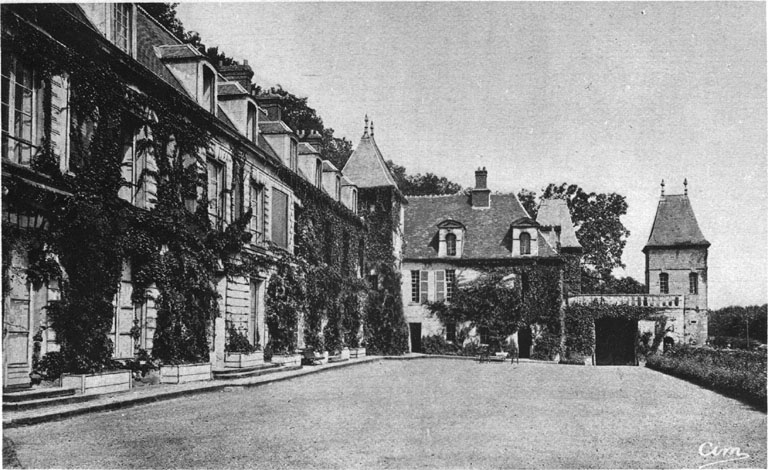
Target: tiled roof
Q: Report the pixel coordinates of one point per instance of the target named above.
(487, 230)
(554, 212)
(366, 165)
(347, 182)
(231, 88)
(328, 166)
(177, 51)
(675, 224)
(274, 127)
(264, 145)
(307, 149)
(148, 35)
(224, 118)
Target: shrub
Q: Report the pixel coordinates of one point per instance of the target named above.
(546, 346)
(51, 366)
(436, 344)
(141, 364)
(238, 342)
(733, 342)
(268, 351)
(741, 374)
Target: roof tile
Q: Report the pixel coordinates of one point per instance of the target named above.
(675, 224)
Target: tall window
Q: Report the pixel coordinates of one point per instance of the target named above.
(319, 173)
(354, 201)
(525, 243)
(338, 188)
(22, 111)
(664, 283)
(209, 85)
(294, 155)
(450, 283)
(256, 203)
(121, 25)
(215, 190)
(693, 281)
(450, 244)
(279, 217)
(415, 286)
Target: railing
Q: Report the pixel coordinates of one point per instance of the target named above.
(639, 300)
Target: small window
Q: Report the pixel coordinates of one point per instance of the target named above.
(525, 243)
(664, 283)
(209, 83)
(693, 281)
(354, 201)
(450, 332)
(450, 244)
(450, 283)
(294, 155)
(252, 126)
(122, 26)
(22, 111)
(415, 286)
(338, 188)
(319, 173)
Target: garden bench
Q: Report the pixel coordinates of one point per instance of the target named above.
(310, 357)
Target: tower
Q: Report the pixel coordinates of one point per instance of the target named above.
(676, 260)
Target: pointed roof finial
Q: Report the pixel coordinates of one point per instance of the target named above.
(685, 183)
(366, 125)
(371, 127)
(662, 187)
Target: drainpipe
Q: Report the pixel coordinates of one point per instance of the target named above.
(684, 322)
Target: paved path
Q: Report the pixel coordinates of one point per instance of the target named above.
(416, 414)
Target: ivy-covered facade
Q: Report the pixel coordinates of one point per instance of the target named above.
(150, 199)
(453, 240)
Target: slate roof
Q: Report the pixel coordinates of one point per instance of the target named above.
(554, 212)
(307, 149)
(170, 51)
(346, 181)
(148, 35)
(231, 89)
(675, 224)
(487, 230)
(274, 127)
(328, 166)
(366, 165)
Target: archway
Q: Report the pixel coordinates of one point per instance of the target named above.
(615, 341)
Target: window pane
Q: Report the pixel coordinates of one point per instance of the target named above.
(414, 286)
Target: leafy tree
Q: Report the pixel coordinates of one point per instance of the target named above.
(165, 14)
(597, 217)
(422, 185)
(733, 321)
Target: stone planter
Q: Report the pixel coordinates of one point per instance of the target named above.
(183, 373)
(237, 360)
(355, 353)
(287, 359)
(103, 382)
(345, 354)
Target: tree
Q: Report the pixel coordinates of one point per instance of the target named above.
(421, 185)
(597, 217)
(165, 14)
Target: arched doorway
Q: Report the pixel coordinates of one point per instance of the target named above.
(615, 340)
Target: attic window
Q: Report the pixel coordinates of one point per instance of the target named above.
(319, 173)
(209, 82)
(525, 243)
(450, 244)
(664, 283)
(122, 25)
(338, 188)
(252, 126)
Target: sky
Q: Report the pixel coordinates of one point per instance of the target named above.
(612, 96)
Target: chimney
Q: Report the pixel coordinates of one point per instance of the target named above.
(238, 73)
(314, 139)
(272, 104)
(481, 195)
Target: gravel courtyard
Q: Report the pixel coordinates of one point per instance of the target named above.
(417, 414)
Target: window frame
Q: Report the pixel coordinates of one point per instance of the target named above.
(415, 286)
(274, 219)
(439, 280)
(217, 215)
(450, 284)
(451, 241)
(664, 283)
(122, 26)
(10, 126)
(693, 283)
(423, 286)
(256, 224)
(525, 243)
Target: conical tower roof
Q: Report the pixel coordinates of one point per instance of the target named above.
(675, 224)
(366, 166)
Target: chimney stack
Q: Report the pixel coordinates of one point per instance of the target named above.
(481, 195)
(272, 104)
(313, 138)
(238, 73)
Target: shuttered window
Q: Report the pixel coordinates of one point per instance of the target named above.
(256, 205)
(415, 286)
(450, 283)
(279, 217)
(439, 285)
(22, 111)
(424, 288)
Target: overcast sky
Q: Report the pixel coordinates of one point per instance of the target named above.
(610, 96)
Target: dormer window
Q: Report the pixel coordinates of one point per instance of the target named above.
(208, 100)
(122, 26)
(450, 238)
(252, 126)
(294, 155)
(338, 188)
(450, 244)
(525, 243)
(319, 173)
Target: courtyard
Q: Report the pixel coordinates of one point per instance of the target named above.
(435, 413)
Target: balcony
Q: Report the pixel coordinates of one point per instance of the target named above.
(638, 300)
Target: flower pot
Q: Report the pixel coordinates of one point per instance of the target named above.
(355, 353)
(183, 373)
(239, 360)
(345, 354)
(287, 359)
(102, 382)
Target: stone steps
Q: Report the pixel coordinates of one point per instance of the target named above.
(36, 394)
(255, 371)
(35, 403)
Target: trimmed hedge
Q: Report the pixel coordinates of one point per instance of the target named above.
(740, 374)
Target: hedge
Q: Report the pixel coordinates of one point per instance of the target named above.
(739, 374)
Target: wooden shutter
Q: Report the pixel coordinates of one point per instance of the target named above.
(127, 166)
(60, 120)
(424, 288)
(439, 285)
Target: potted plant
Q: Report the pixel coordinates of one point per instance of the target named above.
(239, 352)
